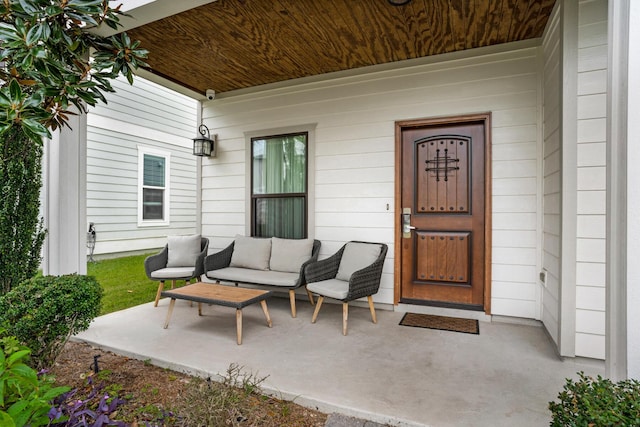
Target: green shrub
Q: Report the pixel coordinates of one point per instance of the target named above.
(44, 312)
(21, 229)
(597, 402)
(25, 396)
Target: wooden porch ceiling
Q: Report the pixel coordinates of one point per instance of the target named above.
(234, 44)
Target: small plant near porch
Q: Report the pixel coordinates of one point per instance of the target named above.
(597, 402)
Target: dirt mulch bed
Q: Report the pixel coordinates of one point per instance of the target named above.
(157, 396)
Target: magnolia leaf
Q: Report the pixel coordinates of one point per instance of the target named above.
(15, 90)
(87, 97)
(28, 6)
(5, 101)
(3, 128)
(35, 130)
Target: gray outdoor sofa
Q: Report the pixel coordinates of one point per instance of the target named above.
(272, 263)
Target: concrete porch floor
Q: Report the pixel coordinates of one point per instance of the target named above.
(385, 373)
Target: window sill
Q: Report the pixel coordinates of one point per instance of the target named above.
(153, 223)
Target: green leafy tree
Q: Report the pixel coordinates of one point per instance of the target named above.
(51, 66)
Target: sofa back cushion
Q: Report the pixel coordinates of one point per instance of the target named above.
(251, 252)
(288, 255)
(357, 256)
(183, 250)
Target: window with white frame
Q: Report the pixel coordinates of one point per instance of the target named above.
(153, 187)
(279, 199)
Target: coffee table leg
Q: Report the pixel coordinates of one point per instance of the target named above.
(239, 324)
(263, 303)
(171, 304)
(199, 309)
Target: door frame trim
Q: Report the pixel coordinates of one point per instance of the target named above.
(401, 125)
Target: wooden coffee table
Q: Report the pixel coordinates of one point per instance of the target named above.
(227, 296)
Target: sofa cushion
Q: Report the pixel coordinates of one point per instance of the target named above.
(356, 256)
(174, 273)
(183, 250)
(245, 275)
(332, 288)
(288, 255)
(251, 252)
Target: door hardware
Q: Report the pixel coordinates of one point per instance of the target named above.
(406, 223)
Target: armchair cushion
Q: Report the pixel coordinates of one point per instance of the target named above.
(288, 255)
(183, 250)
(173, 273)
(332, 288)
(356, 256)
(251, 252)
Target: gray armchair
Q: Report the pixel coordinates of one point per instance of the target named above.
(351, 273)
(181, 259)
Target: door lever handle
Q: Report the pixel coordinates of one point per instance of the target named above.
(406, 223)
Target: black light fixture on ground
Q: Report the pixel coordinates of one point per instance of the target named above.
(203, 144)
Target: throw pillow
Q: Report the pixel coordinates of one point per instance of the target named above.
(288, 255)
(183, 250)
(251, 252)
(356, 256)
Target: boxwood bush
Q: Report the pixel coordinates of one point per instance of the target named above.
(44, 312)
(597, 402)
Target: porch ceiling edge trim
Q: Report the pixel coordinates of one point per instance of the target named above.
(169, 84)
(150, 12)
(355, 72)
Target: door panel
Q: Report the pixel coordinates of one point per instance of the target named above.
(443, 186)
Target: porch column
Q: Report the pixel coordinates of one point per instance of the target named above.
(64, 199)
(623, 192)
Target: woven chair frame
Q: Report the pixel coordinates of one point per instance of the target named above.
(362, 283)
(159, 261)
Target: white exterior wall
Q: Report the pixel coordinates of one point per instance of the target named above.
(591, 161)
(591, 220)
(143, 115)
(590, 175)
(354, 157)
(632, 282)
(551, 117)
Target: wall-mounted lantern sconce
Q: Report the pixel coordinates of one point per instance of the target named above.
(204, 145)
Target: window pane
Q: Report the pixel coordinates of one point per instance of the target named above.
(152, 203)
(154, 170)
(280, 164)
(280, 217)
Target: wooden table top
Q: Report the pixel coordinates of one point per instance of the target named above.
(212, 293)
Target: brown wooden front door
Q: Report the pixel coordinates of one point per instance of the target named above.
(443, 205)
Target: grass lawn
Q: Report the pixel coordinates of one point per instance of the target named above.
(124, 282)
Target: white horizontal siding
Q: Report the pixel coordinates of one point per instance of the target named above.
(354, 158)
(591, 178)
(148, 115)
(551, 117)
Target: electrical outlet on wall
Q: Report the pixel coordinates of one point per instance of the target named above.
(543, 276)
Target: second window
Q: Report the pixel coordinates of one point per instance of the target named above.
(279, 186)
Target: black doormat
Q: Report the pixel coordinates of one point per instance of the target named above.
(443, 323)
